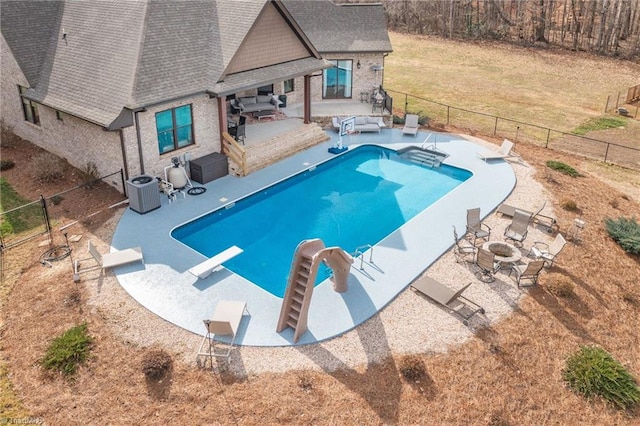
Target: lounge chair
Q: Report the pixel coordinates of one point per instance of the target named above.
(411, 125)
(502, 153)
(486, 263)
(548, 222)
(109, 260)
(225, 321)
(548, 252)
(527, 275)
(462, 248)
(517, 230)
(475, 227)
(453, 300)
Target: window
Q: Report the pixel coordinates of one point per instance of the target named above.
(175, 128)
(59, 115)
(29, 108)
(288, 86)
(336, 81)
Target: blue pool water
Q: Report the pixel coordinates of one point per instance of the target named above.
(353, 200)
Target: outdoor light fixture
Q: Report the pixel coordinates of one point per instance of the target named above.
(358, 64)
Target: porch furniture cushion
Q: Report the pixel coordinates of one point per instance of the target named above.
(363, 124)
(257, 103)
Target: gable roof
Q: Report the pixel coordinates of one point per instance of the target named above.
(93, 58)
(333, 28)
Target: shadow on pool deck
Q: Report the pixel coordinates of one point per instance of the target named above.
(166, 288)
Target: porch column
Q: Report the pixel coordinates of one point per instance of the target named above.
(222, 116)
(307, 99)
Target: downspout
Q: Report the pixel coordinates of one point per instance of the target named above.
(124, 156)
(138, 138)
(382, 80)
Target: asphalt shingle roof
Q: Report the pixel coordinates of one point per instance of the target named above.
(129, 54)
(342, 28)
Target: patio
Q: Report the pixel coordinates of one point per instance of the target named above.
(164, 287)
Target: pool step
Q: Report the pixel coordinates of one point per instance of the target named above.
(426, 156)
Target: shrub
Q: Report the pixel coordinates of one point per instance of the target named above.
(412, 368)
(156, 364)
(47, 167)
(57, 199)
(6, 165)
(305, 382)
(592, 371)
(8, 139)
(626, 232)
(69, 350)
(569, 205)
(90, 174)
(562, 168)
(561, 287)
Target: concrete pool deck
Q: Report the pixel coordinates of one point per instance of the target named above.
(163, 285)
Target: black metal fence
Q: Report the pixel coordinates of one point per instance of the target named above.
(39, 217)
(475, 122)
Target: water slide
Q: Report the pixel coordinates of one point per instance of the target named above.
(304, 269)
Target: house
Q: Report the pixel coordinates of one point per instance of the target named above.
(129, 85)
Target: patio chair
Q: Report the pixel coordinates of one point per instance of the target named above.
(239, 133)
(411, 125)
(548, 252)
(225, 321)
(462, 248)
(109, 260)
(452, 300)
(527, 275)
(487, 265)
(518, 228)
(501, 153)
(475, 227)
(548, 222)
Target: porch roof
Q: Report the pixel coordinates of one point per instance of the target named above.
(261, 76)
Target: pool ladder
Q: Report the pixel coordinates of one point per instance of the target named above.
(359, 252)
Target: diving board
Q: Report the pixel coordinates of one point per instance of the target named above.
(204, 269)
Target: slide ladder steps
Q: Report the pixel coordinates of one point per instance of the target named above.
(295, 304)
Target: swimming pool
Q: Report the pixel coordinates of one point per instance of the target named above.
(353, 200)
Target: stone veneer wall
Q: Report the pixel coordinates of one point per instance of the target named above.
(281, 146)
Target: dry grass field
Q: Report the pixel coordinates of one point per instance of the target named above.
(507, 374)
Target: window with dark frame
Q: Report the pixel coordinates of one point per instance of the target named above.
(59, 115)
(288, 85)
(29, 108)
(175, 128)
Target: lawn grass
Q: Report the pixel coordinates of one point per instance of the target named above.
(543, 87)
(601, 123)
(21, 220)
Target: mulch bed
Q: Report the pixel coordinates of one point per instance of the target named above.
(509, 373)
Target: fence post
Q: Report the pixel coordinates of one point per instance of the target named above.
(606, 107)
(606, 153)
(495, 127)
(406, 103)
(45, 213)
(548, 135)
(618, 100)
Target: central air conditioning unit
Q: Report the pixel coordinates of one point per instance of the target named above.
(144, 194)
